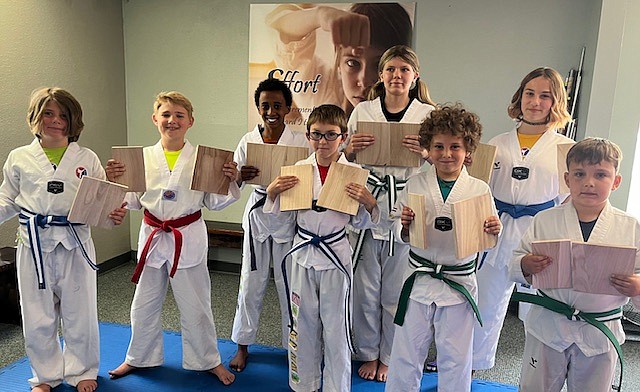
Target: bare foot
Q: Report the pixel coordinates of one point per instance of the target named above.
(382, 372)
(368, 370)
(87, 386)
(239, 361)
(121, 371)
(225, 376)
(42, 388)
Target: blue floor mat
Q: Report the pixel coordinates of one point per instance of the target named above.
(267, 370)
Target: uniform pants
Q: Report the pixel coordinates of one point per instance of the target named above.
(545, 369)
(252, 288)
(69, 297)
(192, 291)
(318, 307)
(494, 293)
(452, 327)
(377, 282)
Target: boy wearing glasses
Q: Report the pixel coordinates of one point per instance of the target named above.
(320, 281)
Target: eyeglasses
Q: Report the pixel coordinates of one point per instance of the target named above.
(329, 136)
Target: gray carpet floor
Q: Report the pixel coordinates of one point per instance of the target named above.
(115, 292)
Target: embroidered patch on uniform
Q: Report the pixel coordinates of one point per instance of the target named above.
(293, 367)
(55, 187)
(520, 173)
(496, 165)
(443, 223)
(295, 298)
(533, 362)
(81, 172)
(169, 195)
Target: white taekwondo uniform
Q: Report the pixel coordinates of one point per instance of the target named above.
(69, 294)
(541, 186)
(378, 276)
(435, 307)
(319, 289)
(168, 196)
(556, 342)
(268, 247)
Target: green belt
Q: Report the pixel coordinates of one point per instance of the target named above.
(437, 271)
(595, 319)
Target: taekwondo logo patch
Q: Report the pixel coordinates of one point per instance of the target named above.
(81, 172)
(169, 195)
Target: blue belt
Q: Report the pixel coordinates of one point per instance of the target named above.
(34, 222)
(391, 185)
(324, 244)
(518, 210)
(258, 204)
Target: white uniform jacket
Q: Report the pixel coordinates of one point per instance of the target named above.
(321, 223)
(541, 186)
(259, 229)
(614, 227)
(441, 244)
(372, 111)
(160, 179)
(27, 173)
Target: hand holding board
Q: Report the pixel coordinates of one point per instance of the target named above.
(207, 171)
(94, 201)
(133, 159)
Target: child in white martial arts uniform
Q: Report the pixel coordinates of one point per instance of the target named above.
(55, 259)
(320, 281)
(525, 180)
(379, 259)
(173, 244)
(438, 298)
(261, 247)
(561, 345)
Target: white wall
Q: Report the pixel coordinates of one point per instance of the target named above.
(471, 51)
(613, 110)
(76, 45)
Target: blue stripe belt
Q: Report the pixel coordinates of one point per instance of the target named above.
(36, 222)
(324, 244)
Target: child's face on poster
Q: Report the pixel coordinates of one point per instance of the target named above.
(591, 185)
(358, 71)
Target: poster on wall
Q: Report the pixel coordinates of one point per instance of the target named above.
(325, 53)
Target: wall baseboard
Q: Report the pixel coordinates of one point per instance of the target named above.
(117, 261)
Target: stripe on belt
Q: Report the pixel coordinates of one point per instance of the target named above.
(379, 185)
(595, 319)
(34, 222)
(258, 204)
(323, 243)
(436, 271)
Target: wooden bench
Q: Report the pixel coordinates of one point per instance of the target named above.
(9, 298)
(225, 234)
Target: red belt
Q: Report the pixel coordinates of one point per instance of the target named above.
(166, 226)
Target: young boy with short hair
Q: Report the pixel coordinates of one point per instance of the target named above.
(438, 298)
(261, 247)
(170, 203)
(558, 347)
(320, 282)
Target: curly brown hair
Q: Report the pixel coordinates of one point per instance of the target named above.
(452, 119)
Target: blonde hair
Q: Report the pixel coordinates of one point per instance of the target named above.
(175, 98)
(67, 103)
(402, 52)
(594, 150)
(558, 116)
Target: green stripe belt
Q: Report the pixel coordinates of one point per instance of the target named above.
(437, 271)
(595, 319)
